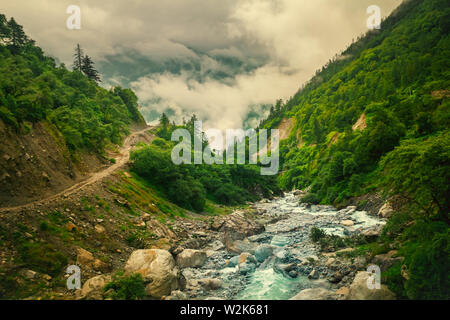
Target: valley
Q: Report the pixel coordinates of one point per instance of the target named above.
(356, 206)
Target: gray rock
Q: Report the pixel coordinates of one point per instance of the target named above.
(190, 258)
(289, 270)
(93, 288)
(233, 262)
(359, 289)
(315, 294)
(210, 284)
(157, 268)
(314, 275)
(263, 251)
(177, 295)
(246, 267)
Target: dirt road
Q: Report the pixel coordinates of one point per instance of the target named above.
(121, 159)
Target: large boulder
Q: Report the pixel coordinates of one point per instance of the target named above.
(93, 288)
(237, 227)
(372, 233)
(360, 291)
(347, 223)
(84, 258)
(239, 246)
(157, 268)
(386, 211)
(240, 224)
(246, 263)
(190, 258)
(315, 294)
(289, 270)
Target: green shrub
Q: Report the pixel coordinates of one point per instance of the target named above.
(394, 280)
(331, 243)
(316, 234)
(43, 226)
(127, 287)
(310, 198)
(135, 240)
(428, 269)
(42, 257)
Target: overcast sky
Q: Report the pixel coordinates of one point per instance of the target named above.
(217, 58)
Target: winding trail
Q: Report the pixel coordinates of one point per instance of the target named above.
(121, 159)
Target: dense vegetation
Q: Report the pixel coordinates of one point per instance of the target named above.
(377, 118)
(33, 88)
(190, 185)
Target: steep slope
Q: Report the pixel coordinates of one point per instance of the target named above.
(57, 126)
(392, 77)
(67, 195)
(376, 119)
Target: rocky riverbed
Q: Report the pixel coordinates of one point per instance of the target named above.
(264, 253)
(280, 260)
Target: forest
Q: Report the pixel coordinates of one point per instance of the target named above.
(189, 185)
(376, 120)
(33, 88)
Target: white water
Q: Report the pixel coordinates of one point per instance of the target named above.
(290, 240)
(269, 285)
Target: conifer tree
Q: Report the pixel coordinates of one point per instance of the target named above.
(4, 29)
(164, 120)
(78, 58)
(18, 37)
(87, 66)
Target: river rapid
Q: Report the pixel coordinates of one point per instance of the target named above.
(282, 260)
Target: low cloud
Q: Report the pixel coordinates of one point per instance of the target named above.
(218, 59)
(221, 105)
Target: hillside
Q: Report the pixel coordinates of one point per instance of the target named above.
(374, 122)
(365, 164)
(68, 192)
(57, 126)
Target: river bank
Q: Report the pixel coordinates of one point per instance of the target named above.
(280, 260)
(263, 253)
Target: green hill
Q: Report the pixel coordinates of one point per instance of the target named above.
(376, 119)
(33, 88)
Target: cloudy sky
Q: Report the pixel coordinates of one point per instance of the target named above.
(220, 59)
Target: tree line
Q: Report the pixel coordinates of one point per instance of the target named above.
(12, 34)
(84, 64)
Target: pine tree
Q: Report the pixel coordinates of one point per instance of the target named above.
(87, 66)
(78, 58)
(5, 32)
(18, 37)
(164, 120)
